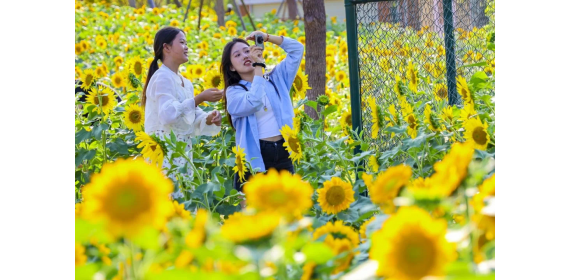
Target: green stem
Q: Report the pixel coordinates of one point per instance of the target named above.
(104, 142)
(227, 197)
(468, 217)
(342, 162)
(207, 202)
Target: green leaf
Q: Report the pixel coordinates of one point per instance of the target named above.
(97, 130)
(317, 252)
(474, 65)
(119, 146)
(389, 154)
(349, 215)
(82, 135)
(205, 188)
(418, 141)
(84, 155)
(396, 129)
(361, 156)
(312, 104)
(478, 78)
(329, 110)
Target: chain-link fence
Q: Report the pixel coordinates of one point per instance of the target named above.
(437, 37)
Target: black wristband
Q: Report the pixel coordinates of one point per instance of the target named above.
(259, 64)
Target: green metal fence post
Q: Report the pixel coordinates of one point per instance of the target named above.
(352, 42)
(449, 52)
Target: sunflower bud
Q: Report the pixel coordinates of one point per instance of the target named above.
(133, 81)
(323, 100)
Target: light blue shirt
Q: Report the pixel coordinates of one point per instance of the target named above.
(243, 104)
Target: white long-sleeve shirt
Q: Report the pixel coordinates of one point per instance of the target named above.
(170, 106)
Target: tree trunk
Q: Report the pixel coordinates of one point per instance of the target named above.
(292, 7)
(177, 3)
(315, 50)
(220, 11)
(151, 4)
(133, 3)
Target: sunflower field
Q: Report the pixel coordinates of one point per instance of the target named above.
(423, 208)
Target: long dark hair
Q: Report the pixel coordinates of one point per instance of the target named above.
(230, 77)
(164, 35)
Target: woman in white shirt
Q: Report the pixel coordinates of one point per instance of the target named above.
(169, 101)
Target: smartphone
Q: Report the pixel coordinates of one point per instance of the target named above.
(259, 40)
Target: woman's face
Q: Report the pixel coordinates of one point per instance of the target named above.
(178, 52)
(240, 59)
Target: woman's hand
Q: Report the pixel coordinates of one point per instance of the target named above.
(256, 54)
(210, 95)
(214, 117)
(251, 36)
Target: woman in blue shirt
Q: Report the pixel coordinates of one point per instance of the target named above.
(259, 106)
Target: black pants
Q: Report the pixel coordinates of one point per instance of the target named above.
(274, 156)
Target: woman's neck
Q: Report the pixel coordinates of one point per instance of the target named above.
(247, 76)
(171, 65)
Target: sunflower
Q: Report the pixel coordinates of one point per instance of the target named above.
(128, 195)
(336, 230)
(486, 189)
(346, 119)
(104, 95)
(411, 245)
(440, 92)
(301, 84)
(292, 143)
(412, 75)
(196, 237)
(447, 114)
(232, 31)
(387, 185)
(280, 192)
(476, 132)
(335, 196)
(152, 148)
(241, 228)
(430, 119)
(467, 112)
(240, 168)
(102, 43)
(78, 48)
(309, 271)
(340, 76)
(198, 71)
(100, 72)
(377, 117)
(364, 226)
(180, 211)
(464, 90)
(174, 23)
(80, 257)
(87, 79)
(452, 169)
(373, 162)
(119, 80)
(134, 117)
(392, 119)
(214, 79)
(399, 88)
(136, 66)
(338, 247)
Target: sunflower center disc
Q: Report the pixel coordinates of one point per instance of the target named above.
(335, 195)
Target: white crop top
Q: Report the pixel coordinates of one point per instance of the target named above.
(266, 123)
